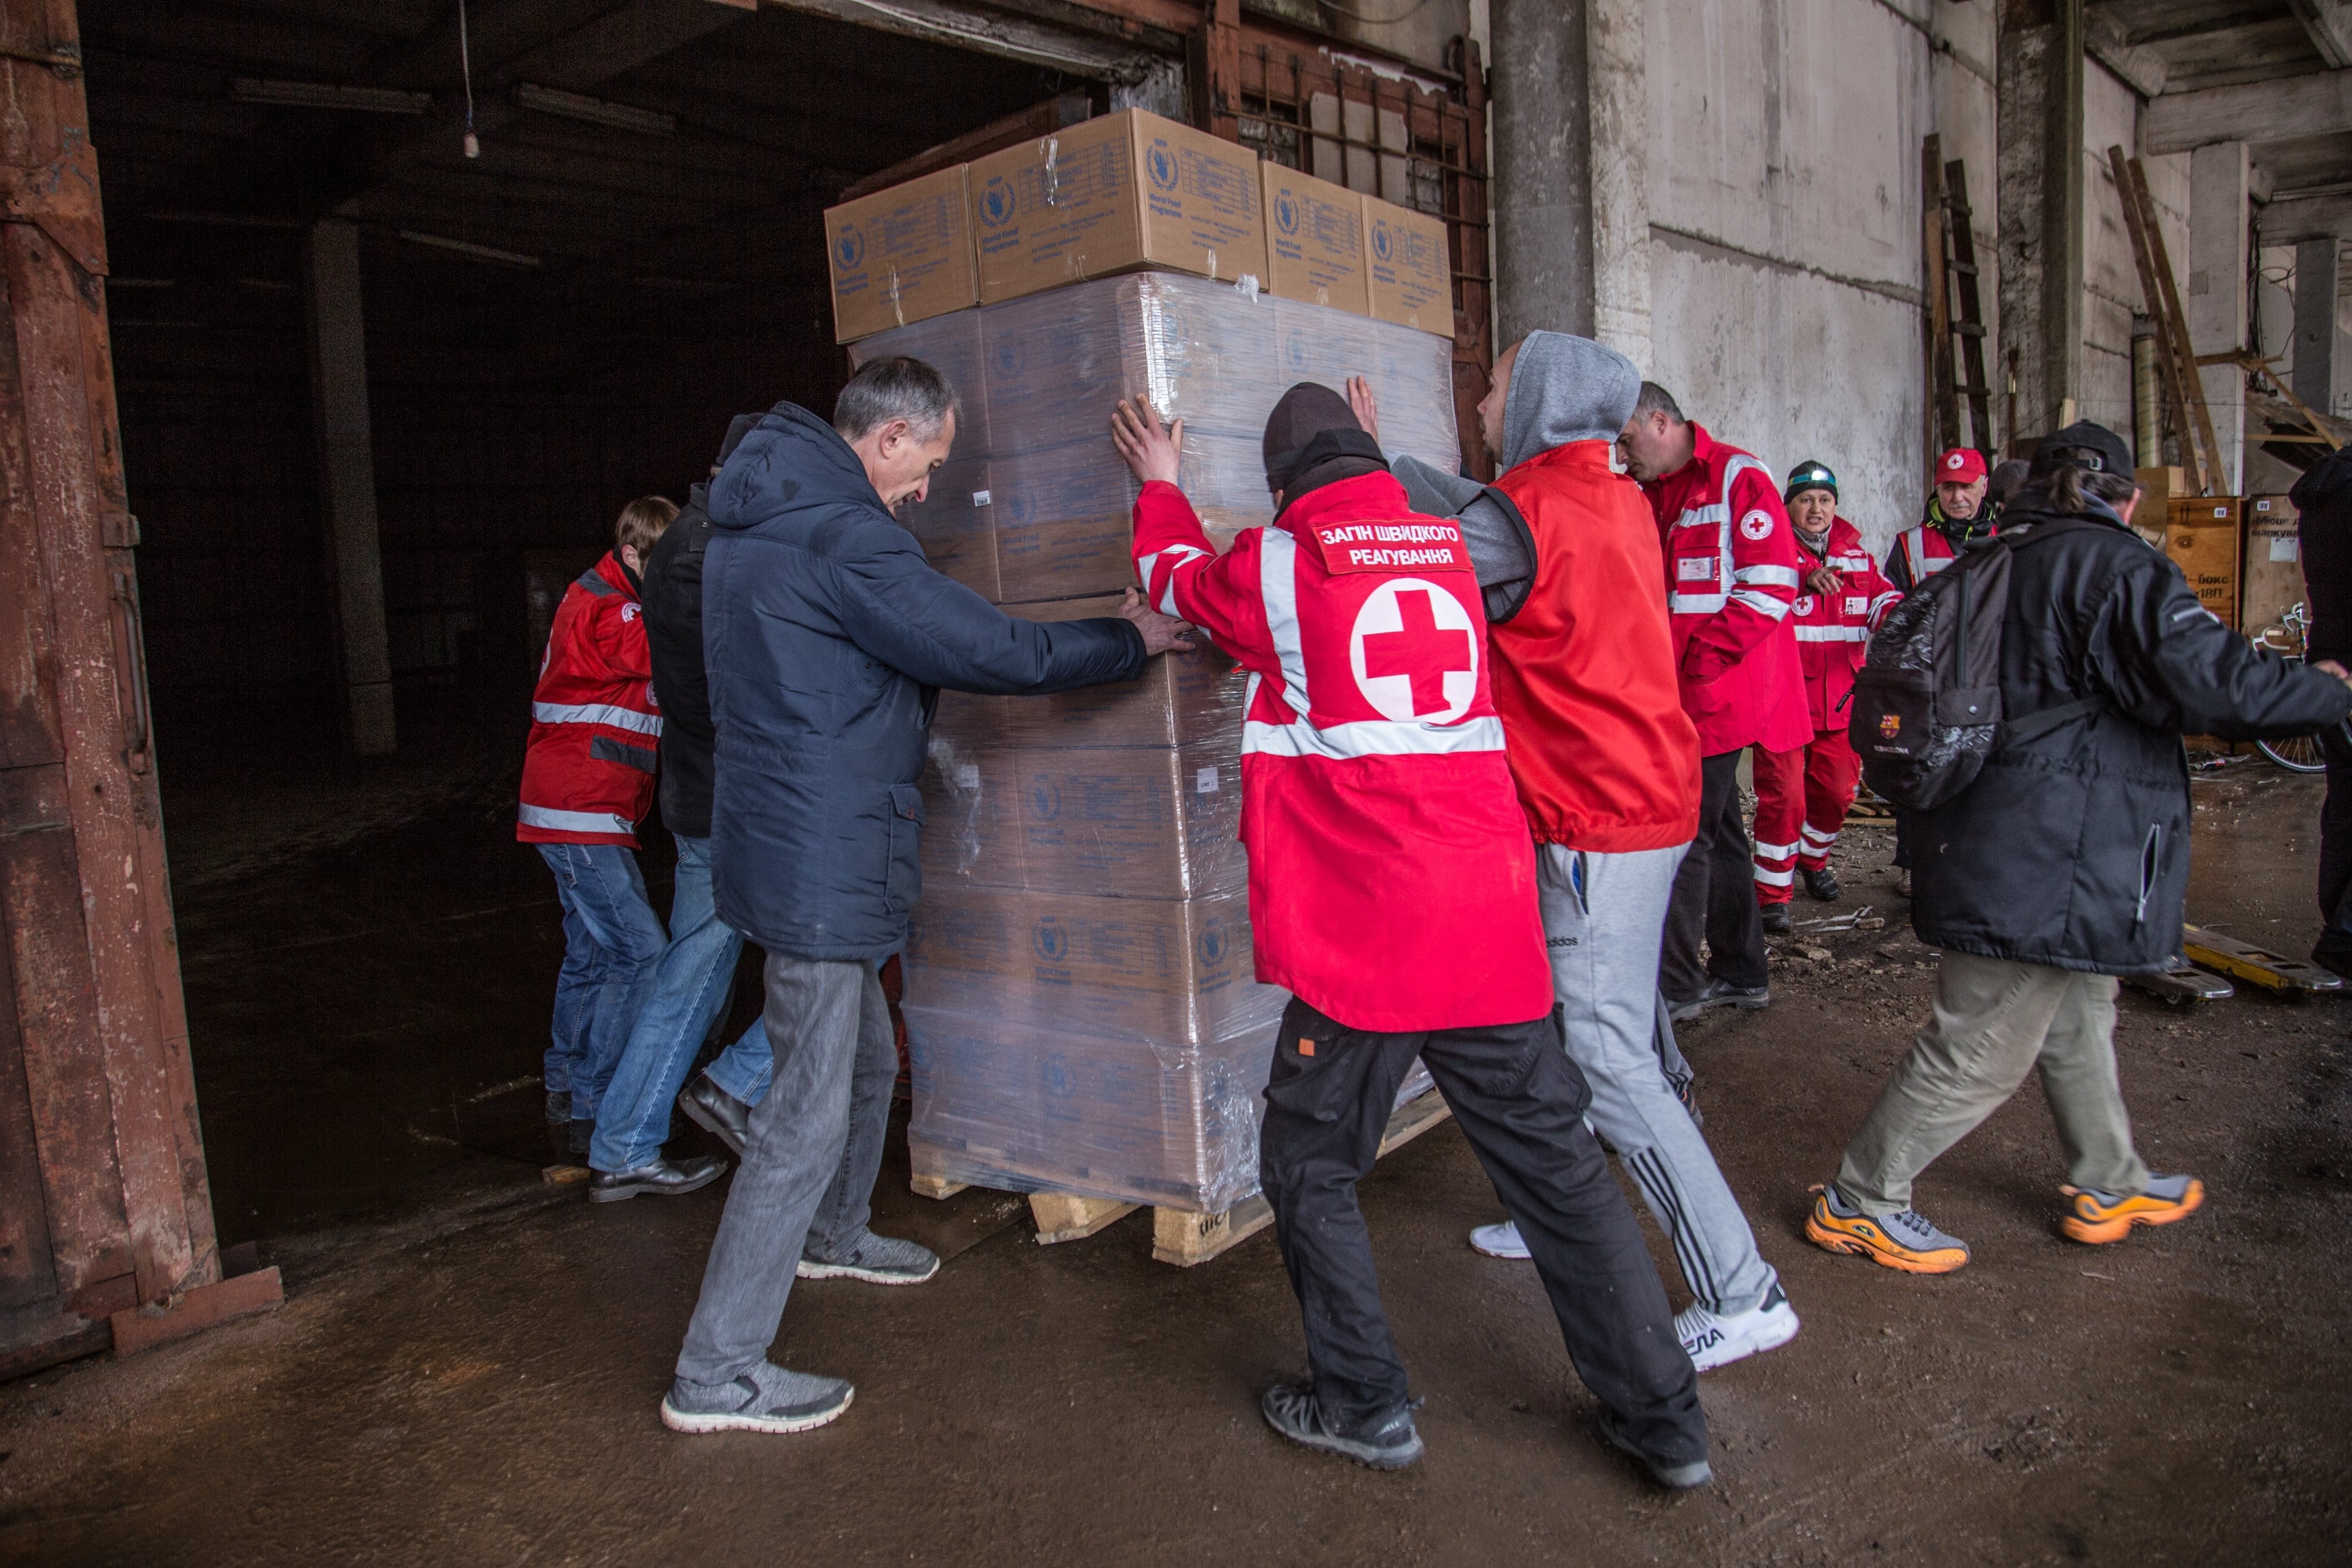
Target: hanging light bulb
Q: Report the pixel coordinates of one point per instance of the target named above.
(466, 64)
(473, 145)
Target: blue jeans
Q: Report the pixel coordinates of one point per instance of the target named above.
(612, 941)
(689, 987)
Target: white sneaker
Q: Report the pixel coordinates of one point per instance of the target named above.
(1500, 1241)
(1712, 1341)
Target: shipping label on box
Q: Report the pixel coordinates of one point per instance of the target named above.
(953, 523)
(1123, 191)
(2201, 538)
(1408, 267)
(1315, 241)
(901, 254)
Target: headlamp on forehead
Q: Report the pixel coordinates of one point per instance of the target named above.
(1808, 476)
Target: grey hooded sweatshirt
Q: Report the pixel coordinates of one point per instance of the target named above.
(1563, 389)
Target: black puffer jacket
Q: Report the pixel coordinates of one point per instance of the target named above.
(2071, 847)
(2323, 498)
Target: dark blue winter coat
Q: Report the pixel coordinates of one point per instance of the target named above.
(828, 637)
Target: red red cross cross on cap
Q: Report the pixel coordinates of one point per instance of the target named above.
(1960, 465)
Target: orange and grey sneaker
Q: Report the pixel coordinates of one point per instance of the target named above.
(2098, 1216)
(1903, 1239)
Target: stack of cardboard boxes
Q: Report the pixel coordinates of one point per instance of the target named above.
(1080, 1003)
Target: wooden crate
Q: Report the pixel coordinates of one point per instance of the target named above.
(2202, 534)
(2273, 574)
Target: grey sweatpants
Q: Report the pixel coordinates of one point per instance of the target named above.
(1994, 1021)
(1602, 916)
(809, 1164)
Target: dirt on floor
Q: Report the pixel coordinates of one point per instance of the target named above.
(468, 1360)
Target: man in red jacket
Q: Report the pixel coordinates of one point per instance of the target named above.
(1392, 890)
(1606, 763)
(587, 777)
(1802, 796)
(1731, 577)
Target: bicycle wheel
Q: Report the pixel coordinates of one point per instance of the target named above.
(2298, 755)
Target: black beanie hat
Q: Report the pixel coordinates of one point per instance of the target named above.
(1310, 427)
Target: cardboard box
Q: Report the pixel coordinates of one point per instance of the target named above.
(1111, 195)
(1183, 699)
(1315, 241)
(2201, 536)
(1408, 267)
(901, 254)
(1176, 973)
(1124, 823)
(2274, 573)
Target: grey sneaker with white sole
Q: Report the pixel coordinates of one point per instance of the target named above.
(877, 1259)
(765, 1399)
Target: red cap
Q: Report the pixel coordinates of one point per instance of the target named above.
(1960, 465)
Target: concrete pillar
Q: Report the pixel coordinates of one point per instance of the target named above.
(2316, 282)
(2040, 207)
(2220, 181)
(1571, 115)
(339, 405)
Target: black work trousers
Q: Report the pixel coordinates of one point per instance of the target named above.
(1714, 895)
(1520, 1102)
(2335, 943)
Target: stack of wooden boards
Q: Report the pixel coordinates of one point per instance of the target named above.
(1121, 192)
(1080, 1005)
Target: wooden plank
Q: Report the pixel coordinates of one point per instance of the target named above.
(1065, 1216)
(2273, 110)
(2169, 351)
(925, 1178)
(141, 1329)
(1944, 415)
(1413, 1118)
(1971, 316)
(1024, 125)
(2184, 351)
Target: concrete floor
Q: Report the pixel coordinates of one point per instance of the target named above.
(467, 1364)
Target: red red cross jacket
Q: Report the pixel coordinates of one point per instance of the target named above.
(1731, 573)
(1833, 629)
(588, 774)
(1391, 879)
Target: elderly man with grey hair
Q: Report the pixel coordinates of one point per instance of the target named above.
(828, 637)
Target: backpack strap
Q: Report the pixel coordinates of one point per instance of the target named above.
(1509, 604)
(2034, 725)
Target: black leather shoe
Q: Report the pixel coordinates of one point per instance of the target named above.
(658, 1176)
(1822, 884)
(1776, 919)
(716, 1112)
(1719, 995)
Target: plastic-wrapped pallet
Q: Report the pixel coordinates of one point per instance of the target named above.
(1080, 1003)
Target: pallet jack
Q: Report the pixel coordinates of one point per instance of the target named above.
(2185, 982)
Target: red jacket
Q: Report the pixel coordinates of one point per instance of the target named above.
(588, 774)
(1833, 629)
(1392, 881)
(1731, 573)
(1604, 756)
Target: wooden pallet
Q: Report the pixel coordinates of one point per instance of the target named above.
(1177, 1236)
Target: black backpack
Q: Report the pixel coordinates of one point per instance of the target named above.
(1927, 704)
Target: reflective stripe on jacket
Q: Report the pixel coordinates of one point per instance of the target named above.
(1834, 630)
(1605, 758)
(1731, 574)
(1392, 880)
(588, 773)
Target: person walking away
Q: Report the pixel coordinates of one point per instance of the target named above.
(2065, 862)
(1959, 511)
(1393, 891)
(2323, 499)
(696, 972)
(587, 777)
(1802, 796)
(1606, 765)
(827, 638)
(1731, 577)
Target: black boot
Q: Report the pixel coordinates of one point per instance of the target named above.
(1822, 884)
(1776, 920)
(716, 1112)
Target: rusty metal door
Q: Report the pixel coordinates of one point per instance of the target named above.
(103, 1202)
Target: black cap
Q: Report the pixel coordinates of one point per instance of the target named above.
(2084, 444)
(1808, 476)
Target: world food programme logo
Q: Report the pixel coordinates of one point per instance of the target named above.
(1285, 213)
(1381, 244)
(1044, 799)
(1050, 941)
(996, 202)
(1213, 944)
(1160, 164)
(850, 249)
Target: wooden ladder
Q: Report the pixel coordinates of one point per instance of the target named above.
(1955, 328)
(2176, 362)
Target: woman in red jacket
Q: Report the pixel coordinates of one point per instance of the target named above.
(587, 777)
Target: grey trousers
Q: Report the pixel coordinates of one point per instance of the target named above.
(1603, 915)
(809, 1164)
(1994, 1020)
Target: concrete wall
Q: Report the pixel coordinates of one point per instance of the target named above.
(1785, 223)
